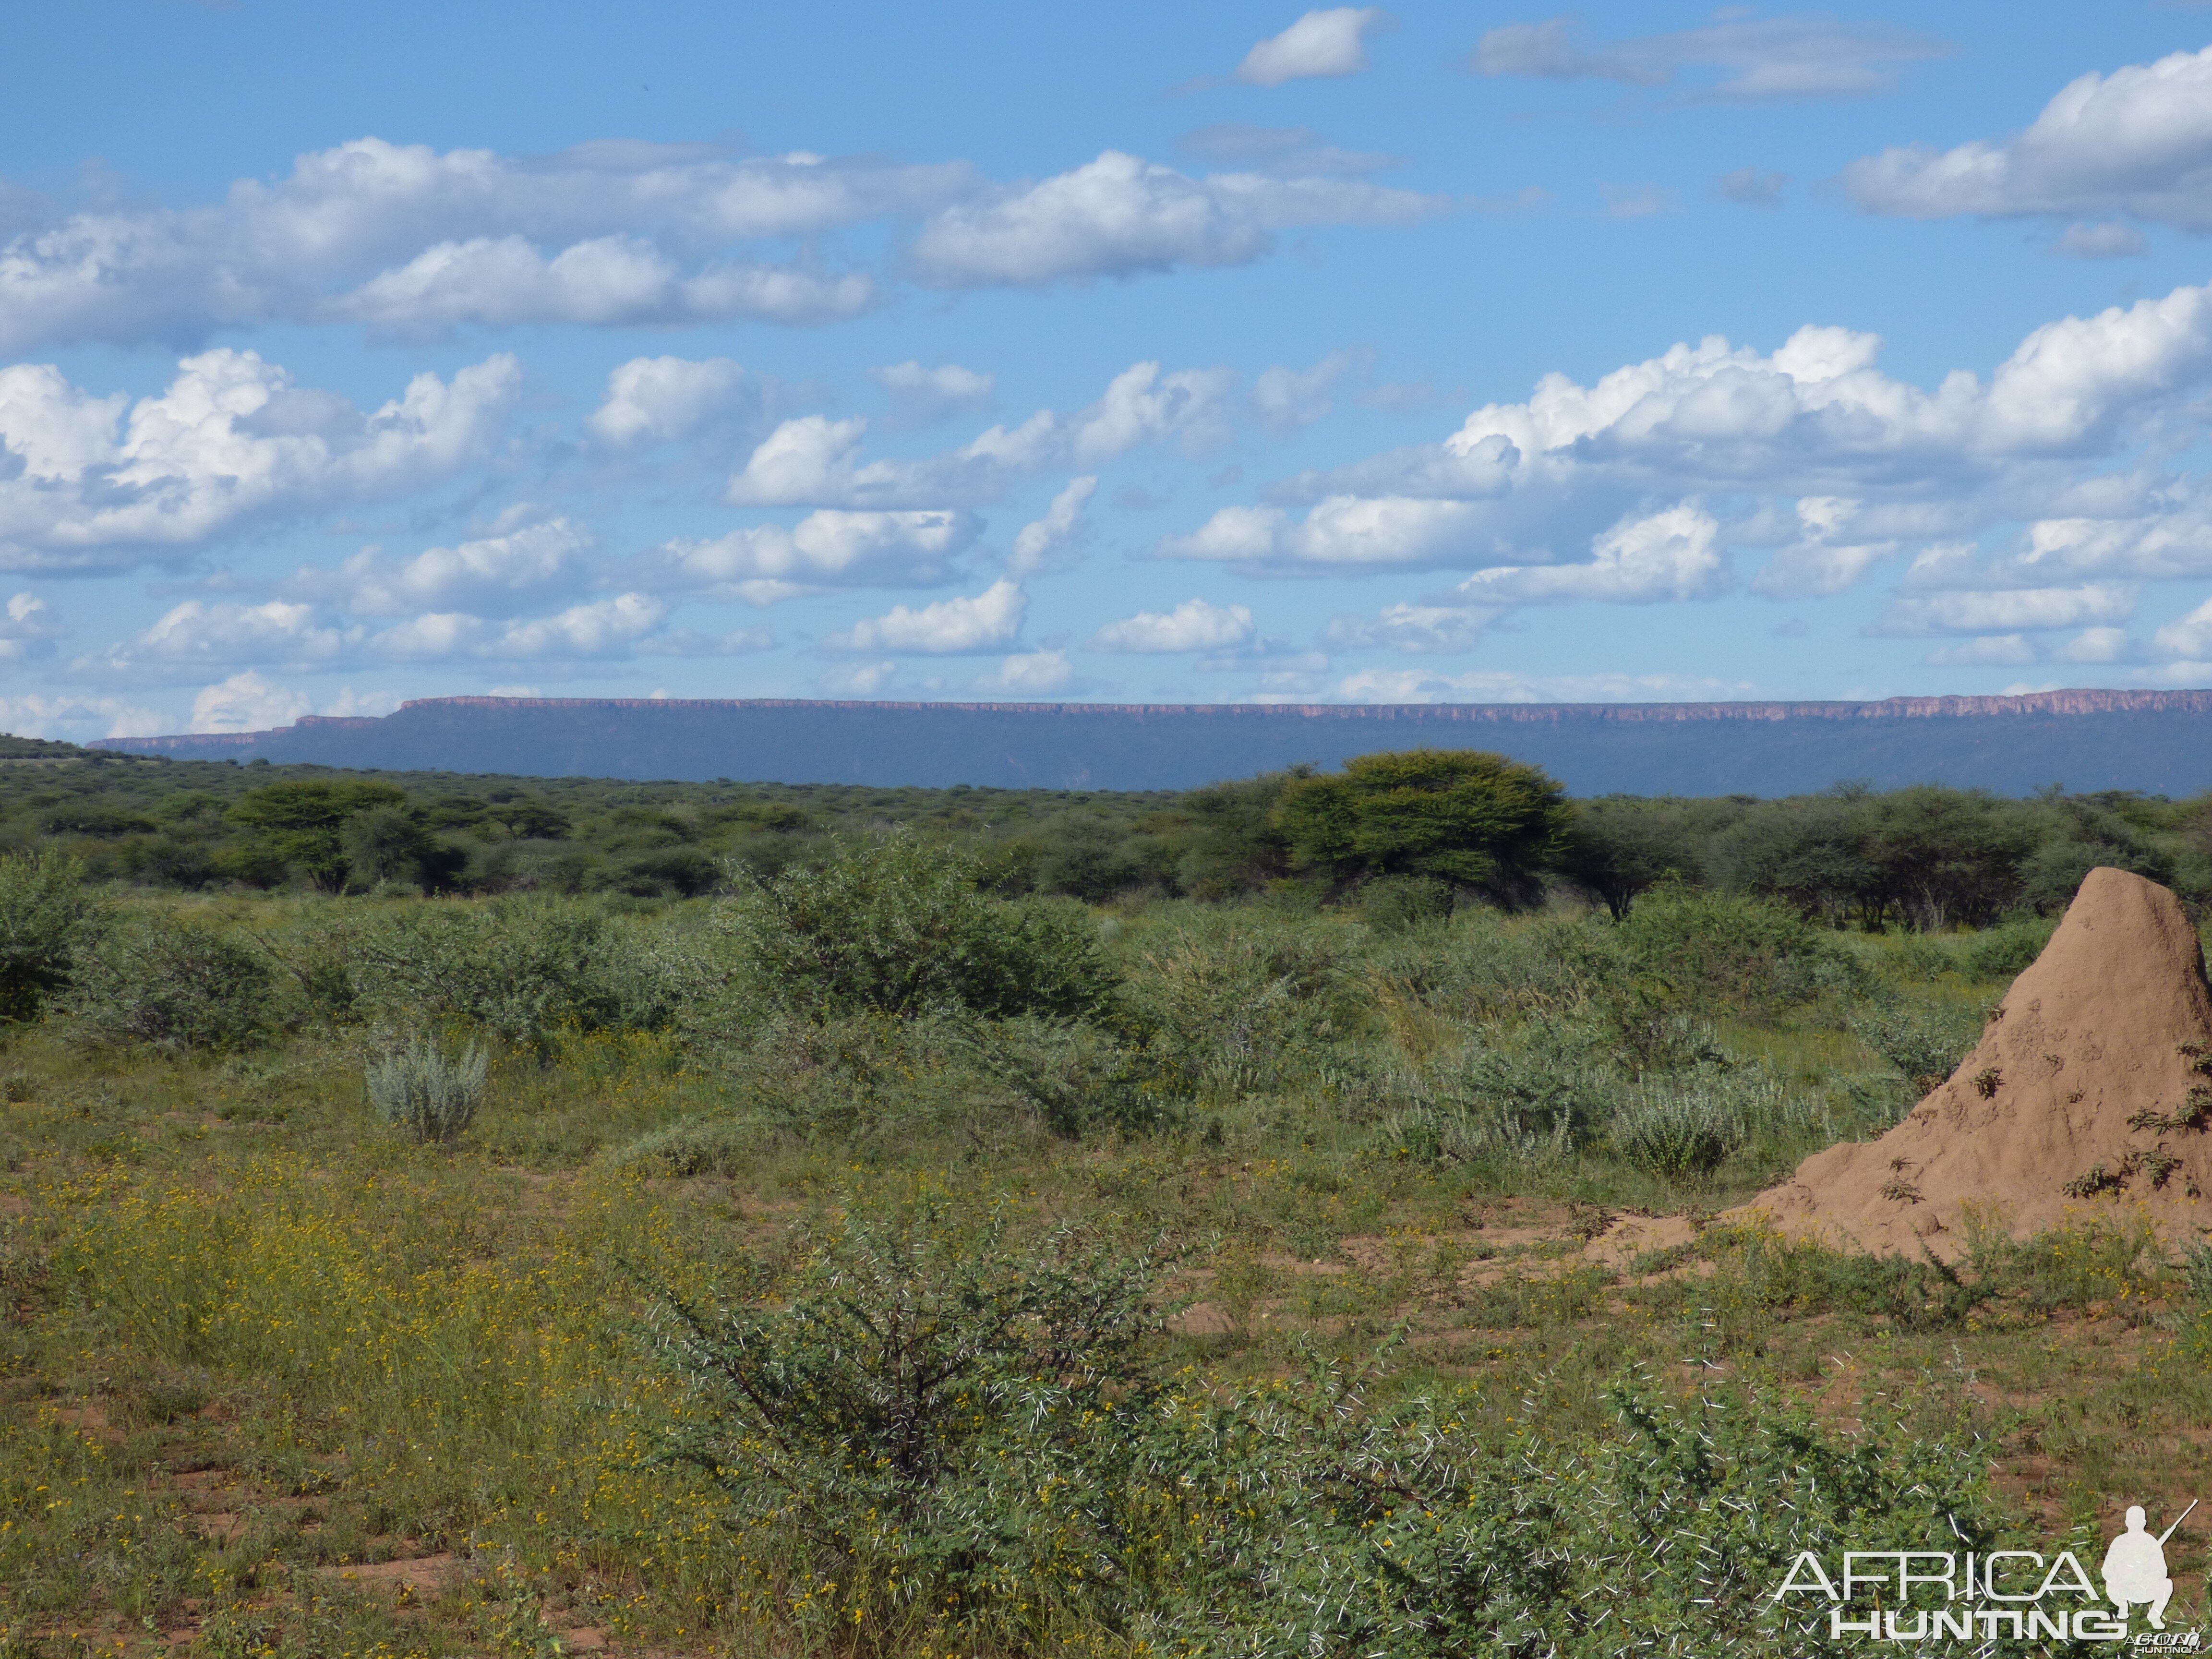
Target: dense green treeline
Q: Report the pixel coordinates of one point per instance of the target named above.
(1398, 836)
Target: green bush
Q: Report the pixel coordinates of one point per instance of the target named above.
(176, 985)
(925, 1410)
(2006, 951)
(1391, 904)
(1677, 1129)
(935, 1436)
(520, 970)
(1746, 956)
(1533, 1103)
(46, 921)
(2197, 1271)
(895, 924)
(1245, 999)
(418, 1088)
(693, 1146)
(1925, 1040)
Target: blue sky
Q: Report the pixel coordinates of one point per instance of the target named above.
(1166, 353)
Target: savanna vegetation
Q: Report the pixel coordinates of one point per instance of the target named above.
(984, 1223)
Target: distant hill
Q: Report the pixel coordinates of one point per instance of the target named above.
(2156, 742)
(14, 748)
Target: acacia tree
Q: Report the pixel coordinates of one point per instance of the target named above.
(1477, 820)
(303, 820)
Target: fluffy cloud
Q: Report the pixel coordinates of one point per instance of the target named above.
(1194, 625)
(36, 714)
(2091, 645)
(609, 280)
(603, 629)
(28, 628)
(988, 622)
(195, 636)
(1501, 685)
(1319, 44)
(1045, 543)
(2138, 142)
(247, 703)
(2010, 610)
(922, 396)
(403, 236)
(1288, 398)
(828, 549)
(497, 574)
(102, 481)
(1810, 450)
(1674, 554)
(814, 460)
(661, 399)
(410, 241)
(1121, 215)
(1832, 551)
(2191, 636)
(1415, 630)
(858, 679)
(2095, 645)
(1031, 674)
(1760, 58)
(1340, 532)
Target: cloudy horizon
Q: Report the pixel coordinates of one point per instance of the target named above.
(1341, 356)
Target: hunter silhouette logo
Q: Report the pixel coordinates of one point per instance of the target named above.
(1911, 1597)
(2135, 1567)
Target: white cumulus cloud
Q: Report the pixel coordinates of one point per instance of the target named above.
(608, 281)
(2136, 141)
(102, 481)
(1674, 554)
(1030, 674)
(196, 635)
(28, 628)
(987, 621)
(2190, 636)
(496, 573)
(922, 395)
(1046, 543)
(1810, 452)
(1121, 215)
(1194, 625)
(2008, 611)
(661, 399)
(828, 549)
(1319, 44)
(247, 703)
(814, 460)
(406, 238)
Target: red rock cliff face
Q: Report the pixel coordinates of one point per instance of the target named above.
(2036, 703)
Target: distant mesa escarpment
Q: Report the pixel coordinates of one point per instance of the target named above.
(2157, 742)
